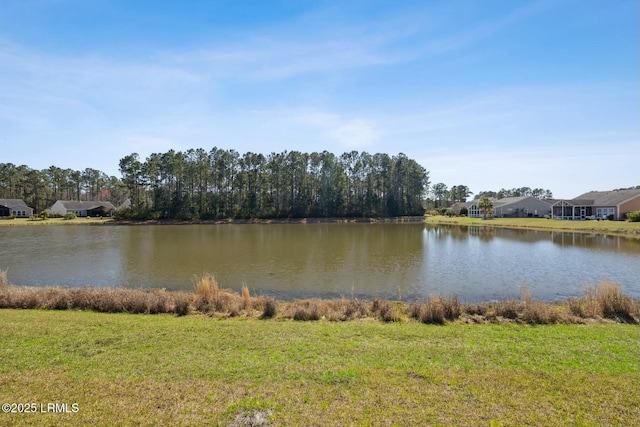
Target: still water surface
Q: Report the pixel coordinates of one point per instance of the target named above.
(288, 261)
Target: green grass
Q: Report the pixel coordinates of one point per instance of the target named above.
(624, 228)
(126, 369)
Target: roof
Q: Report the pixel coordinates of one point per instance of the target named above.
(9, 203)
(85, 206)
(605, 198)
(511, 200)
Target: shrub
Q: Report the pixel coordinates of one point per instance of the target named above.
(181, 304)
(508, 309)
(633, 216)
(70, 215)
(307, 310)
(270, 308)
(540, 313)
(387, 313)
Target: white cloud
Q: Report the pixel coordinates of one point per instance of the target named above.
(347, 132)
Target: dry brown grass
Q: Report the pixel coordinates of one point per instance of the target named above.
(606, 301)
(436, 310)
(207, 288)
(246, 298)
(4, 282)
(599, 303)
(386, 311)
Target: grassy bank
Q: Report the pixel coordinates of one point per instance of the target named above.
(621, 228)
(53, 221)
(605, 302)
(164, 370)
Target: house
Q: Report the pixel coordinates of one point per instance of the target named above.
(97, 208)
(458, 207)
(612, 205)
(521, 207)
(511, 207)
(125, 205)
(14, 207)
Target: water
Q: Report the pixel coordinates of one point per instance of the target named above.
(407, 261)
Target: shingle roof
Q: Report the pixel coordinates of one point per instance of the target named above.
(9, 203)
(82, 206)
(605, 198)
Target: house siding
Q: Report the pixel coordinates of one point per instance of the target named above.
(630, 206)
(14, 207)
(58, 209)
(21, 211)
(601, 204)
(524, 207)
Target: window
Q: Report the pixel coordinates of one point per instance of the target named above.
(604, 212)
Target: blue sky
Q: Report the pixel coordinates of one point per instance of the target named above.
(488, 94)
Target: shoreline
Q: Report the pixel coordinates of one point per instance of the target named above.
(313, 220)
(601, 303)
(608, 228)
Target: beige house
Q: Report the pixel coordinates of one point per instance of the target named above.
(613, 205)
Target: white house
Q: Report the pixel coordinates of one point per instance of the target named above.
(14, 207)
(97, 208)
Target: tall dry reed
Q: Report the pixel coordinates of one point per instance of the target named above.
(246, 297)
(4, 282)
(207, 288)
(605, 301)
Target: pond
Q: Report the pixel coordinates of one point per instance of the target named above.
(406, 261)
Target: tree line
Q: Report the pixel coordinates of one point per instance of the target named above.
(197, 184)
(441, 196)
(41, 188)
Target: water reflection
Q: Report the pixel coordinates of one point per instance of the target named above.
(295, 259)
(410, 261)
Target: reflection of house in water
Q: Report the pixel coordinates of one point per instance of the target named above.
(613, 205)
(484, 233)
(597, 241)
(600, 242)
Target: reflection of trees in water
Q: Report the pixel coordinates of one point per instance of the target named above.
(310, 257)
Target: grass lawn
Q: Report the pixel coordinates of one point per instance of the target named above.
(50, 221)
(123, 369)
(624, 228)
